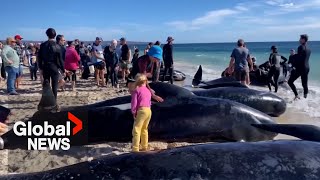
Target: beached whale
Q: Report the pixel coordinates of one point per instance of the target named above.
(287, 160)
(181, 117)
(177, 75)
(263, 101)
(221, 82)
(294, 160)
(259, 77)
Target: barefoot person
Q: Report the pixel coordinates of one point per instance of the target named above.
(112, 60)
(301, 67)
(168, 59)
(239, 59)
(22, 55)
(124, 58)
(71, 63)
(99, 61)
(11, 62)
(274, 73)
(155, 52)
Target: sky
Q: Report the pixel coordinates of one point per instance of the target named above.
(188, 21)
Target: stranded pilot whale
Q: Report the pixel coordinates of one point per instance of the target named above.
(282, 159)
(221, 82)
(263, 101)
(294, 160)
(182, 117)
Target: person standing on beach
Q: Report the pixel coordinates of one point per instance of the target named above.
(3, 71)
(168, 59)
(239, 60)
(61, 42)
(124, 58)
(50, 61)
(156, 52)
(135, 66)
(147, 48)
(22, 55)
(31, 54)
(71, 63)
(77, 45)
(291, 60)
(98, 60)
(274, 73)
(301, 67)
(11, 62)
(113, 64)
(106, 52)
(141, 111)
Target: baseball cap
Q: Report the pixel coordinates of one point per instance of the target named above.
(99, 39)
(170, 39)
(122, 39)
(18, 37)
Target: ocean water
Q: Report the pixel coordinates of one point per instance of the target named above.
(215, 57)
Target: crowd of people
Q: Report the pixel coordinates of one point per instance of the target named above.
(60, 61)
(242, 63)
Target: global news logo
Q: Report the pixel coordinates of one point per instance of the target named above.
(47, 136)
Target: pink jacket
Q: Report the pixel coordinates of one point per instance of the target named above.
(141, 97)
(72, 59)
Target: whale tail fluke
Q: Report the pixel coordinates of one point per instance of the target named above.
(301, 131)
(197, 77)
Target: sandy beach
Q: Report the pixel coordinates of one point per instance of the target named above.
(25, 105)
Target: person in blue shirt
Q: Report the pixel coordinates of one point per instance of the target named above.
(156, 52)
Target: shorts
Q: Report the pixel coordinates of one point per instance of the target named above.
(20, 72)
(124, 64)
(240, 75)
(100, 66)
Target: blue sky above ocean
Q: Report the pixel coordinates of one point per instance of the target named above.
(190, 21)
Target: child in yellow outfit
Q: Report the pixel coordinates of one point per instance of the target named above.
(141, 110)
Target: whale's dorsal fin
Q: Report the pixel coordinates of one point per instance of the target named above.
(301, 131)
(197, 77)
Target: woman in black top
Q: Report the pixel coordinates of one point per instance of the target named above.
(274, 73)
(113, 63)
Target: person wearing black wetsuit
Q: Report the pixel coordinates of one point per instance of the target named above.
(274, 73)
(168, 59)
(113, 61)
(50, 61)
(301, 66)
(135, 66)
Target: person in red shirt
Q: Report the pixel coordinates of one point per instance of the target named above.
(71, 63)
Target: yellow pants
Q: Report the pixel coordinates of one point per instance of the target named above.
(140, 129)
